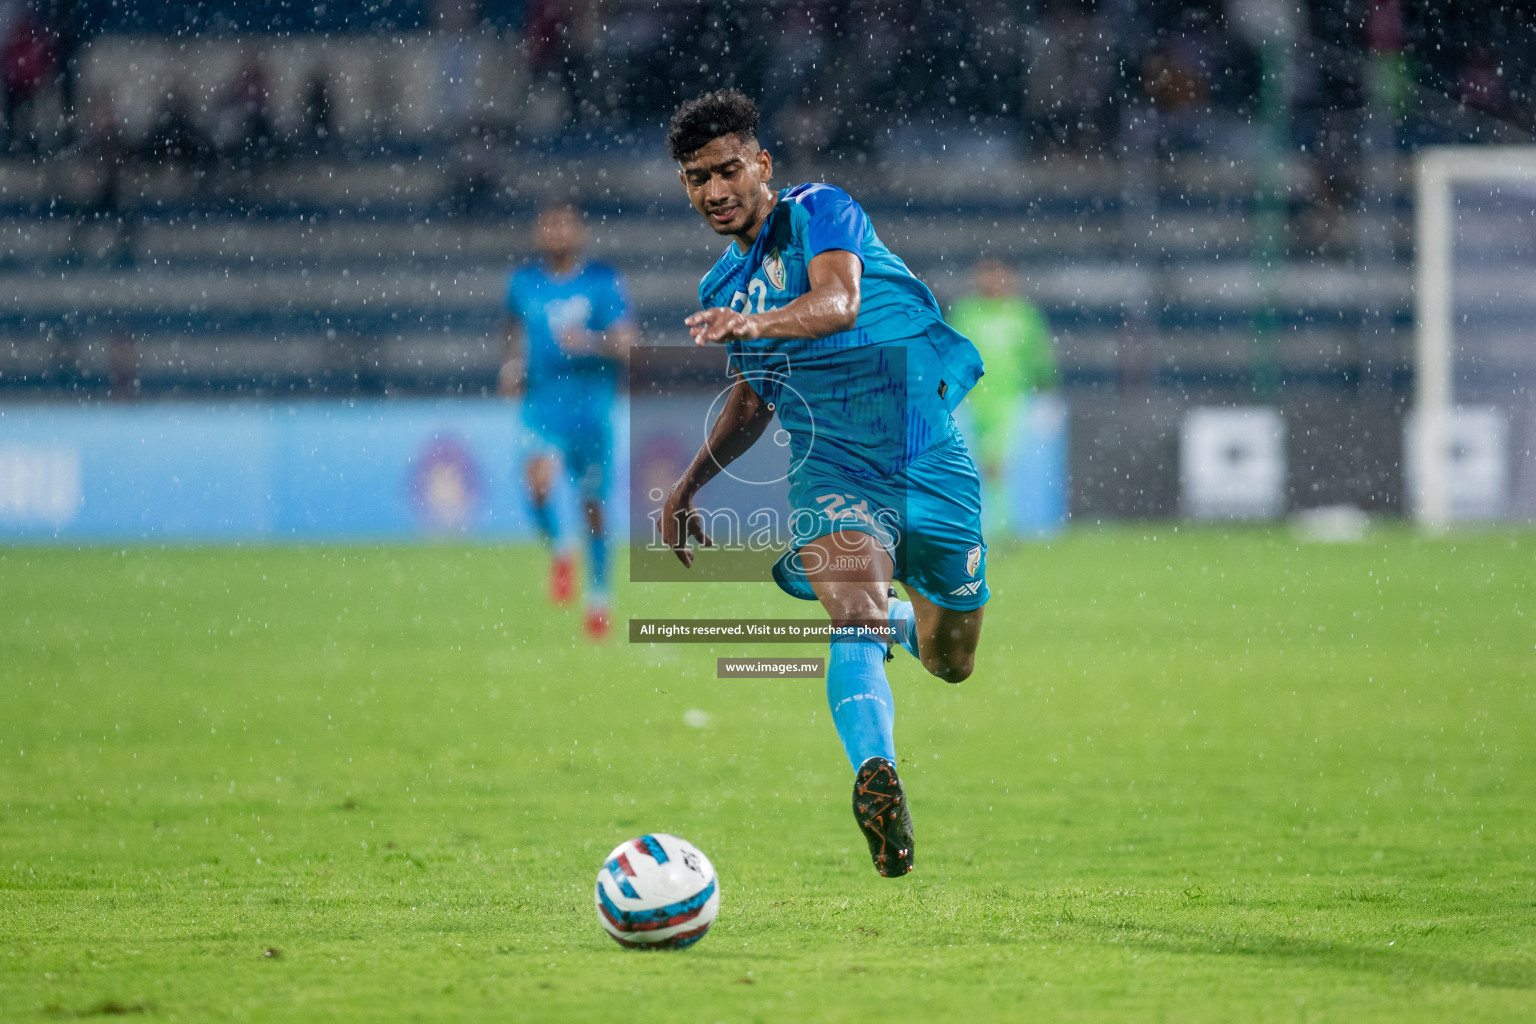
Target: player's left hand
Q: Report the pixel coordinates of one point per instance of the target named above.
(578, 341)
(680, 522)
(719, 324)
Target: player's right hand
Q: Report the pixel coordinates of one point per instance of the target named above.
(680, 521)
(578, 341)
(710, 326)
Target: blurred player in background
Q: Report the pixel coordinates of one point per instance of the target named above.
(568, 331)
(1014, 340)
(828, 328)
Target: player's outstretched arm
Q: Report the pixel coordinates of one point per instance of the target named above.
(830, 307)
(737, 428)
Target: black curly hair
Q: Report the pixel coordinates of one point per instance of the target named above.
(705, 118)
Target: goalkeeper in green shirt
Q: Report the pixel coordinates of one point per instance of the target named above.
(1014, 339)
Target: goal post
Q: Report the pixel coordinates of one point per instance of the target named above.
(1474, 420)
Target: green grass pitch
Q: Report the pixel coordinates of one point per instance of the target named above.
(1197, 776)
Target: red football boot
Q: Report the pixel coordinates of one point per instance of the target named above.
(562, 579)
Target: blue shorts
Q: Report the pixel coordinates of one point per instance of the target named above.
(584, 441)
(927, 516)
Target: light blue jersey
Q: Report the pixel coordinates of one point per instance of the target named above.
(873, 446)
(569, 399)
(869, 400)
(592, 297)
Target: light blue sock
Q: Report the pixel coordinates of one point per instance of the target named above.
(597, 566)
(544, 519)
(859, 695)
(904, 620)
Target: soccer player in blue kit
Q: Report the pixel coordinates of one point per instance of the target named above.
(829, 329)
(568, 330)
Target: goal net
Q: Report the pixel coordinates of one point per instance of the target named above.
(1471, 439)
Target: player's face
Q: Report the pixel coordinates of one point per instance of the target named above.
(560, 233)
(994, 279)
(726, 182)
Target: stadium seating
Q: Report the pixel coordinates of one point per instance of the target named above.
(373, 261)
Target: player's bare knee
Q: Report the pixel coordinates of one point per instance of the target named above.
(539, 475)
(953, 668)
(851, 603)
(857, 609)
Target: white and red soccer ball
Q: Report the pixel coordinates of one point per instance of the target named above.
(657, 892)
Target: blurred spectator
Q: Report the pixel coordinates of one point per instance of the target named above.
(564, 40)
(244, 119)
(1071, 78)
(875, 50)
(455, 15)
(26, 65)
(68, 33)
(317, 128)
(177, 140)
(453, 23)
(546, 35)
(107, 157)
(1177, 82)
(996, 50)
(1480, 84)
(633, 46)
(795, 55)
(1388, 78)
(123, 383)
(1322, 228)
(1014, 340)
(471, 171)
(804, 128)
(951, 69)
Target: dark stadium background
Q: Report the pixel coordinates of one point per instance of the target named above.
(319, 200)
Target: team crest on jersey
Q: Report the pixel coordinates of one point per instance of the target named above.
(773, 266)
(973, 560)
